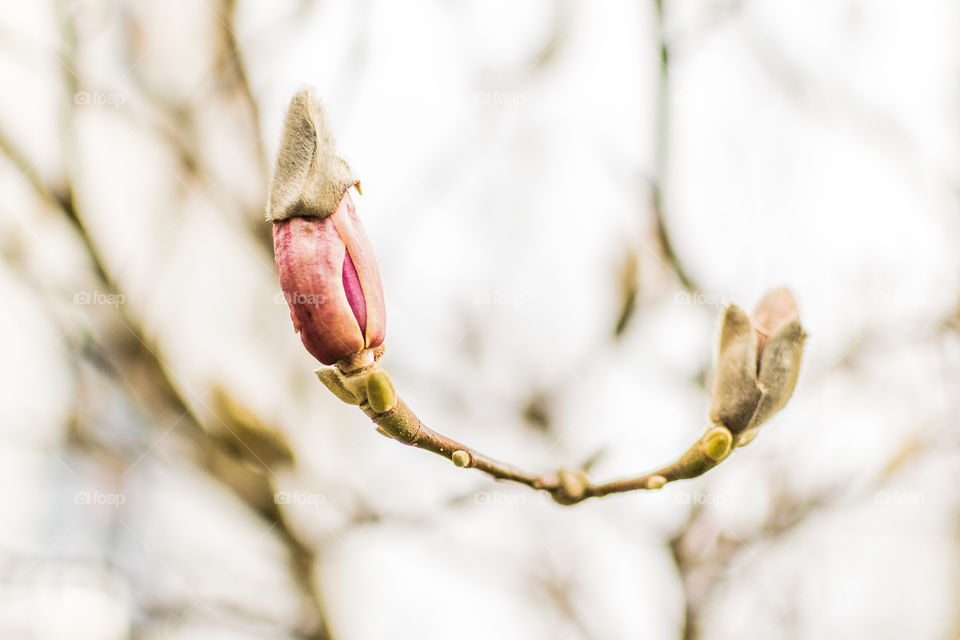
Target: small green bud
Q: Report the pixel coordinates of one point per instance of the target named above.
(380, 394)
(716, 443)
(656, 482)
(461, 458)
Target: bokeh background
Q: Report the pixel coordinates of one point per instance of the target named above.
(562, 197)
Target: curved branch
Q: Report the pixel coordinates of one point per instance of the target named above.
(361, 381)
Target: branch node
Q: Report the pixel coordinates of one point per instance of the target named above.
(571, 487)
(400, 423)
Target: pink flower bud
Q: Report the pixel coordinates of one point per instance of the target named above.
(327, 269)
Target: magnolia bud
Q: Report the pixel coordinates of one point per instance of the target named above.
(758, 362)
(327, 269)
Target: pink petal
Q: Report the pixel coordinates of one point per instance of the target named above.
(310, 257)
(354, 292)
(776, 309)
(358, 246)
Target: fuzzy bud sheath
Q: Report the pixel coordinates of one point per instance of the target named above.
(758, 362)
(328, 272)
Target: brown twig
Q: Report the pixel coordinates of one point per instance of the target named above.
(758, 362)
(361, 381)
(423, 437)
(565, 486)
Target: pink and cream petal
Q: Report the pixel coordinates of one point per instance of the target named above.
(776, 309)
